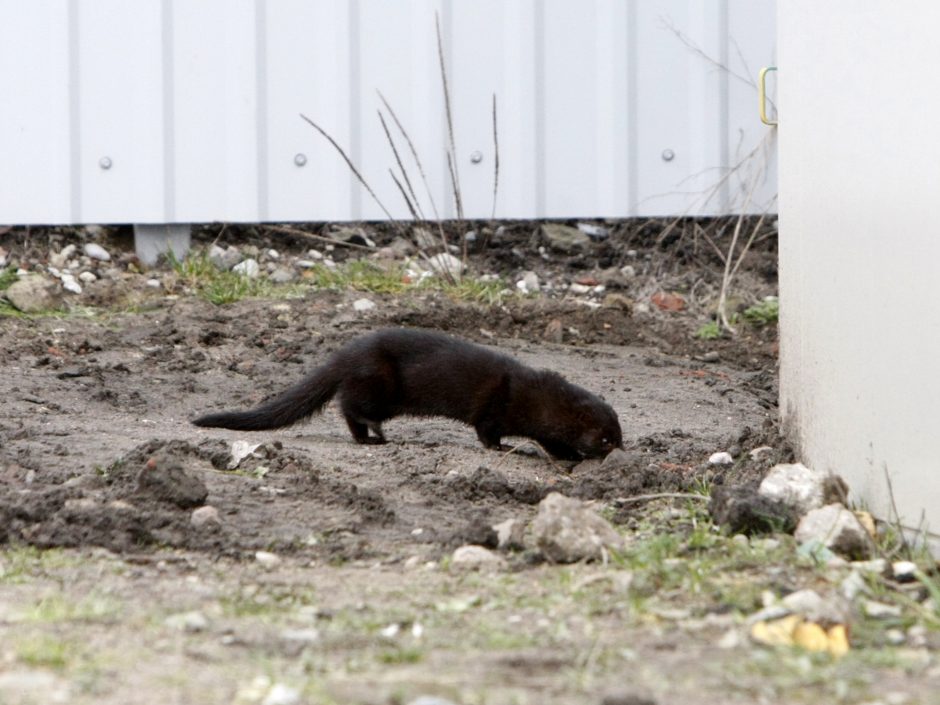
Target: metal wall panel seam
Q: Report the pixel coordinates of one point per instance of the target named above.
(169, 113)
(75, 115)
(355, 109)
(261, 105)
(540, 176)
(724, 104)
(633, 171)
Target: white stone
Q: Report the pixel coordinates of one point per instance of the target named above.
(471, 556)
(314, 254)
(597, 232)
(248, 268)
(529, 284)
(304, 636)
(305, 263)
(904, 571)
(267, 559)
(274, 254)
(628, 271)
(720, 458)
(576, 288)
(154, 283)
(96, 251)
(853, 585)
(32, 686)
(70, 284)
(205, 517)
(760, 452)
(282, 275)
(188, 621)
(240, 451)
(445, 263)
(281, 694)
(430, 700)
(34, 293)
(225, 258)
(799, 487)
(815, 607)
(567, 530)
(363, 305)
(88, 277)
(879, 610)
(509, 534)
(836, 528)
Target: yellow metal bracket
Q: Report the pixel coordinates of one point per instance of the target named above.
(762, 95)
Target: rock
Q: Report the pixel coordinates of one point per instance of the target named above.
(666, 301)
(424, 239)
(904, 571)
(619, 301)
(876, 565)
(191, 622)
(225, 258)
(595, 232)
(32, 686)
(206, 517)
(811, 605)
(430, 700)
(445, 263)
(567, 530)
(615, 459)
(305, 263)
(743, 510)
(564, 238)
(154, 283)
(70, 284)
(554, 332)
(96, 251)
(315, 255)
(576, 288)
(710, 356)
(853, 585)
(363, 305)
(267, 559)
(248, 268)
(88, 277)
(628, 271)
(510, 535)
(281, 694)
(529, 284)
(836, 528)
(720, 458)
(302, 636)
(164, 480)
(801, 488)
(282, 275)
(879, 610)
(626, 699)
(34, 293)
(241, 450)
(760, 452)
(476, 557)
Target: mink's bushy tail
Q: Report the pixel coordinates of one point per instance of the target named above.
(300, 401)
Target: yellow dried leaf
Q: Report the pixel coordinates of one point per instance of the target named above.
(811, 637)
(838, 641)
(867, 521)
(778, 632)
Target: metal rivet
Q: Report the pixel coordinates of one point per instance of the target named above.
(300, 159)
(476, 157)
(668, 155)
(105, 162)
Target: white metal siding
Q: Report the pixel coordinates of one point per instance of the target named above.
(196, 103)
(859, 252)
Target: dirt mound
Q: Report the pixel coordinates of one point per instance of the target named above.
(146, 497)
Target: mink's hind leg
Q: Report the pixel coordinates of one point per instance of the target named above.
(489, 436)
(364, 407)
(360, 431)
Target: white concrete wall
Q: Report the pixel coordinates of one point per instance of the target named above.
(860, 245)
(196, 103)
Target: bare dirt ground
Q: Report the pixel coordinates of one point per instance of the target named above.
(109, 593)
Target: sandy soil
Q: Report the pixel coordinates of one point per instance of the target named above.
(361, 604)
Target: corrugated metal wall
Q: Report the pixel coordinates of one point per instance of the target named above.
(188, 110)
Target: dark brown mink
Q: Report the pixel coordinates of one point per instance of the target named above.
(395, 372)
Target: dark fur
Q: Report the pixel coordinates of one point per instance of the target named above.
(419, 373)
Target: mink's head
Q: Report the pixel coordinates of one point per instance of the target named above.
(599, 431)
(584, 422)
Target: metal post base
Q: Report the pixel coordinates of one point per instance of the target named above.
(151, 241)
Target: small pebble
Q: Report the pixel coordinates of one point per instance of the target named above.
(69, 284)
(154, 283)
(88, 277)
(720, 458)
(248, 267)
(191, 622)
(363, 305)
(904, 571)
(267, 559)
(205, 517)
(96, 251)
(281, 694)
